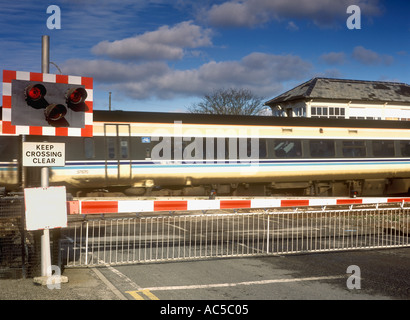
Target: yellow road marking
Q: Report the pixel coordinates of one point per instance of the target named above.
(136, 294)
(149, 294)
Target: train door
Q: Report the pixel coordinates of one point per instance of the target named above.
(117, 154)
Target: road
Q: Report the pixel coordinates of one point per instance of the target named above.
(376, 274)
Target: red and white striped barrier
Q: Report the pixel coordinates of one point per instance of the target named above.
(126, 206)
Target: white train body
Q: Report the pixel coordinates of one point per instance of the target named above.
(184, 154)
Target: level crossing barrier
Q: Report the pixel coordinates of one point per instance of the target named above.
(98, 240)
(101, 206)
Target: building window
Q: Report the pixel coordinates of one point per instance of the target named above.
(365, 118)
(327, 112)
(299, 111)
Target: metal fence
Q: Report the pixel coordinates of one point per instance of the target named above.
(12, 253)
(167, 238)
(20, 249)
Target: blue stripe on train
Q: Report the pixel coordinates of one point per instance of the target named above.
(227, 163)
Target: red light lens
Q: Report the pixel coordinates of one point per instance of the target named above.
(76, 96)
(55, 112)
(35, 92)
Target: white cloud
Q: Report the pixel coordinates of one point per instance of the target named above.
(247, 13)
(262, 73)
(106, 71)
(234, 14)
(166, 43)
(334, 58)
(369, 57)
(330, 73)
(292, 26)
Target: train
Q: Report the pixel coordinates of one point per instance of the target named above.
(182, 154)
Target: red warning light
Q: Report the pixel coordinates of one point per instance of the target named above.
(55, 112)
(35, 92)
(76, 96)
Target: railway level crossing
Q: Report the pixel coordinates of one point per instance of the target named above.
(102, 233)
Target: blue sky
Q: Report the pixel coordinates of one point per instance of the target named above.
(164, 55)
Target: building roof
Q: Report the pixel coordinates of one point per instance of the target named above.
(342, 89)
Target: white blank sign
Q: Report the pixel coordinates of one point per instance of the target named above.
(46, 208)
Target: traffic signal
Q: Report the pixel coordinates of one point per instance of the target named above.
(34, 103)
(48, 104)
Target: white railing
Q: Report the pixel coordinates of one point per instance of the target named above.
(167, 238)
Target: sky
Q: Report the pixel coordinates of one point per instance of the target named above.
(164, 56)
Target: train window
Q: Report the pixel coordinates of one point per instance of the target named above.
(354, 149)
(383, 148)
(288, 149)
(111, 148)
(193, 148)
(262, 148)
(405, 148)
(124, 149)
(8, 148)
(259, 146)
(162, 149)
(89, 148)
(4, 149)
(322, 148)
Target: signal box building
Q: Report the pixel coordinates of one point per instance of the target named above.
(340, 98)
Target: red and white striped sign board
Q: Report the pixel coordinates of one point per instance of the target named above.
(9, 128)
(127, 206)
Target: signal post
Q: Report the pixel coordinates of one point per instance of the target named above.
(44, 104)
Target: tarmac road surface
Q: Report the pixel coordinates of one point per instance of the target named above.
(384, 274)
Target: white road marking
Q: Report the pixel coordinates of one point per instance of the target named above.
(146, 291)
(246, 283)
(123, 277)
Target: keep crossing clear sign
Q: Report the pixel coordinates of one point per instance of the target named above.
(43, 154)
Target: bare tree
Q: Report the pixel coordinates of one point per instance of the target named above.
(229, 101)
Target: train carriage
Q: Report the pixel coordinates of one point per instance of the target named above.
(170, 154)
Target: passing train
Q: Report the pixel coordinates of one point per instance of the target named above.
(171, 154)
